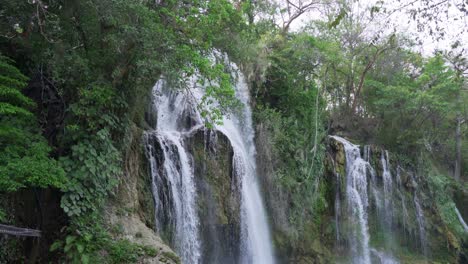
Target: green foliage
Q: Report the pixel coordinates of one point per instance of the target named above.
(86, 236)
(172, 257)
(89, 242)
(96, 109)
(76, 248)
(441, 188)
(11, 251)
(24, 153)
(291, 110)
(123, 251)
(93, 169)
(218, 88)
(416, 113)
(3, 216)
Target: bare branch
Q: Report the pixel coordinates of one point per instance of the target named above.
(295, 9)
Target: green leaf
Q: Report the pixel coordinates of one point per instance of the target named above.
(85, 258)
(70, 239)
(338, 19)
(80, 248)
(56, 245)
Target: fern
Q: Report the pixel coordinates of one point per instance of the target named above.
(24, 153)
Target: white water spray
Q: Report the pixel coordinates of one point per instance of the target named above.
(173, 110)
(357, 200)
(383, 258)
(421, 224)
(388, 189)
(178, 171)
(239, 129)
(460, 217)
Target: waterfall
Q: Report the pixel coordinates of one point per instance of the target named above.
(337, 208)
(357, 201)
(402, 199)
(421, 224)
(174, 188)
(383, 258)
(378, 213)
(239, 129)
(177, 171)
(388, 189)
(462, 222)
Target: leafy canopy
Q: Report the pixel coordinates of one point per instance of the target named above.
(24, 153)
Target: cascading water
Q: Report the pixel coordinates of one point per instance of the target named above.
(238, 128)
(177, 173)
(460, 218)
(357, 201)
(174, 189)
(404, 213)
(421, 220)
(383, 258)
(370, 207)
(388, 189)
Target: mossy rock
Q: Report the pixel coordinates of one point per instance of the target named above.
(218, 199)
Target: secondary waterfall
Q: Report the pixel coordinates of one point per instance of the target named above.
(378, 207)
(174, 188)
(421, 221)
(357, 201)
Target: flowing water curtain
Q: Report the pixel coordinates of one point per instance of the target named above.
(368, 200)
(178, 117)
(357, 202)
(173, 174)
(462, 221)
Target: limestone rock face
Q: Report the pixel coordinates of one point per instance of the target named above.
(295, 240)
(218, 197)
(131, 213)
(132, 228)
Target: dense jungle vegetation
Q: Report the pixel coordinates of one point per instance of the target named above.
(76, 79)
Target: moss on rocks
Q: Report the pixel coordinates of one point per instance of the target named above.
(218, 196)
(130, 215)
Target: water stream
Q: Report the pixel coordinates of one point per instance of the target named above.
(369, 201)
(238, 128)
(357, 201)
(178, 203)
(174, 188)
(388, 189)
(460, 218)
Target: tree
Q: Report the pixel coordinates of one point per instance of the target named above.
(460, 64)
(416, 110)
(294, 9)
(357, 42)
(24, 160)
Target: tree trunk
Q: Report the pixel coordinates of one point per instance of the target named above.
(458, 145)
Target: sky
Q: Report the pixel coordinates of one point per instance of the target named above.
(455, 26)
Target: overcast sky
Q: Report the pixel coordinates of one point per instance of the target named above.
(455, 26)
